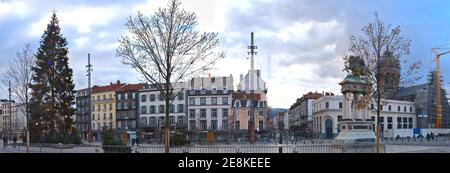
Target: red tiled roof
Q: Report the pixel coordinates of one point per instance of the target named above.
(132, 87)
(239, 95)
(111, 87)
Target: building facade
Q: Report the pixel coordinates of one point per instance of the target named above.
(209, 103)
(104, 107)
(424, 95)
(300, 113)
(127, 110)
(13, 120)
(83, 112)
(395, 116)
(152, 110)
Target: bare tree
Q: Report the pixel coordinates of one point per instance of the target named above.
(381, 47)
(166, 49)
(19, 73)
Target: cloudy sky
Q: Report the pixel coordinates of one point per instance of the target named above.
(300, 42)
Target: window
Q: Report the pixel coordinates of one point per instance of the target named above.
(133, 105)
(118, 96)
(104, 116)
(180, 120)
(399, 122)
(172, 108)
(203, 101)
(119, 105)
(152, 109)
(104, 107)
(327, 105)
(224, 81)
(125, 105)
(260, 113)
(192, 125)
(192, 113)
(153, 121)
(381, 107)
(161, 108)
(261, 125)
(110, 116)
(381, 122)
(340, 105)
(398, 108)
(98, 98)
(214, 91)
(180, 96)
(213, 80)
(224, 124)
(202, 113)
(98, 117)
(410, 123)
(224, 113)
(93, 126)
(214, 100)
(238, 103)
(213, 113)
(237, 125)
(372, 106)
(389, 108)
(191, 101)
(143, 109)
(261, 104)
(180, 108)
(110, 96)
(225, 100)
(160, 97)
(213, 124)
(389, 121)
(203, 125)
(134, 96)
(203, 91)
(172, 120)
(410, 109)
(405, 122)
(372, 118)
(104, 97)
(192, 83)
(143, 98)
(152, 97)
(93, 117)
(404, 109)
(339, 118)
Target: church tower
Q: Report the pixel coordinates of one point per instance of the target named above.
(390, 70)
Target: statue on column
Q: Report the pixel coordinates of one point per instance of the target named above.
(356, 89)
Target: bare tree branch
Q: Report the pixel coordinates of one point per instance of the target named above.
(166, 48)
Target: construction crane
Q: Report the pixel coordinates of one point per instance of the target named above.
(438, 120)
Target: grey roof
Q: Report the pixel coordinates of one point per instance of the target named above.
(407, 91)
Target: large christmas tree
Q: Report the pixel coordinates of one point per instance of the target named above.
(52, 87)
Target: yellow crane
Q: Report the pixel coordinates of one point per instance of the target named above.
(437, 58)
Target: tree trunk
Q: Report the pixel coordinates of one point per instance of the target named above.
(167, 125)
(378, 115)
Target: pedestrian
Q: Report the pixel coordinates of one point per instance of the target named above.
(5, 142)
(137, 141)
(14, 141)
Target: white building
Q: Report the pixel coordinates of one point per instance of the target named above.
(396, 117)
(209, 103)
(152, 107)
(17, 122)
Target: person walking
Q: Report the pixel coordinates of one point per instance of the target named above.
(5, 142)
(14, 141)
